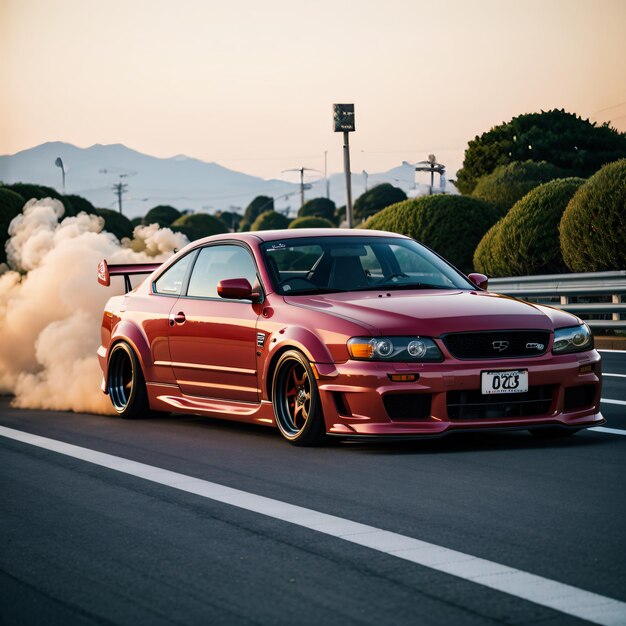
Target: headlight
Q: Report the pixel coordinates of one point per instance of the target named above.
(414, 349)
(574, 339)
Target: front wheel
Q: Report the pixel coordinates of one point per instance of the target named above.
(296, 400)
(126, 384)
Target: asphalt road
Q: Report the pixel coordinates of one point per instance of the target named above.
(83, 544)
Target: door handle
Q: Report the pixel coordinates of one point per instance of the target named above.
(178, 318)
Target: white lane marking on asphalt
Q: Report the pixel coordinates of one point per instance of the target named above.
(616, 375)
(607, 401)
(608, 350)
(549, 593)
(610, 431)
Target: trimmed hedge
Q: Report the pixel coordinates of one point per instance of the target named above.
(311, 222)
(509, 183)
(593, 227)
(450, 225)
(270, 220)
(29, 191)
(116, 223)
(163, 215)
(254, 209)
(526, 240)
(198, 225)
(11, 205)
(375, 200)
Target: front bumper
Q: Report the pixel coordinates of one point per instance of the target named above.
(353, 396)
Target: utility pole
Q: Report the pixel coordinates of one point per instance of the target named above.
(365, 177)
(302, 185)
(120, 189)
(326, 175)
(433, 167)
(343, 115)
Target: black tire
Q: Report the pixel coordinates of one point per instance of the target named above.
(126, 384)
(553, 433)
(296, 400)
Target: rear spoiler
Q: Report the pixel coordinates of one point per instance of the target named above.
(105, 272)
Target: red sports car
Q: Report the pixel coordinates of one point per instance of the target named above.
(350, 333)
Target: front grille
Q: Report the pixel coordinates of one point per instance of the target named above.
(580, 397)
(407, 406)
(497, 344)
(473, 405)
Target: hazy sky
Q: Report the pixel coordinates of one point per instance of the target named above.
(250, 83)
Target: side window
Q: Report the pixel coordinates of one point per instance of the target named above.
(171, 281)
(217, 263)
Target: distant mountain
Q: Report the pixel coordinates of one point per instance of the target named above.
(180, 181)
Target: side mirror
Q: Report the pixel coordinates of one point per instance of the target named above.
(236, 289)
(480, 280)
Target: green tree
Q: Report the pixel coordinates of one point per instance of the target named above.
(526, 239)
(509, 183)
(198, 225)
(77, 204)
(11, 205)
(593, 227)
(232, 219)
(163, 215)
(564, 139)
(29, 191)
(318, 207)
(270, 220)
(116, 223)
(311, 221)
(136, 221)
(450, 225)
(376, 199)
(254, 209)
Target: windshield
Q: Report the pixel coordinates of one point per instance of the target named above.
(336, 264)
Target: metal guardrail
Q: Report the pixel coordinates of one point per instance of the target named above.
(573, 291)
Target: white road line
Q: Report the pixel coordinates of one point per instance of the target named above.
(616, 375)
(607, 401)
(608, 350)
(610, 431)
(543, 591)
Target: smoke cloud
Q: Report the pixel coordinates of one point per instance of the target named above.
(51, 304)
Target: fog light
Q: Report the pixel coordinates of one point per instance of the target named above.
(584, 369)
(403, 378)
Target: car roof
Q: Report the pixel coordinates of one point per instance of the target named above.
(297, 233)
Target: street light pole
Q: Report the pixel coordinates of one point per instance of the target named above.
(346, 169)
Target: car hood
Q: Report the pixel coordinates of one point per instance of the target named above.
(435, 312)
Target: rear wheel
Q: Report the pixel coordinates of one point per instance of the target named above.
(297, 405)
(553, 433)
(126, 384)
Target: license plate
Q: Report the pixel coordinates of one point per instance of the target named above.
(510, 381)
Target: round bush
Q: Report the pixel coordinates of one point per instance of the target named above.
(198, 225)
(318, 207)
(526, 240)
(488, 254)
(509, 183)
(375, 200)
(254, 209)
(77, 204)
(450, 225)
(116, 223)
(163, 215)
(593, 227)
(311, 222)
(29, 191)
(270, 220)
(11, 205)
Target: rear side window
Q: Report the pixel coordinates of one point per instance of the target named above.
(170, 283)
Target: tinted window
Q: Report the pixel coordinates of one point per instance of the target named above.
(217, 263)
(171, 281)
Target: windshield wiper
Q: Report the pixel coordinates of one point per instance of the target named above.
(387, 286)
